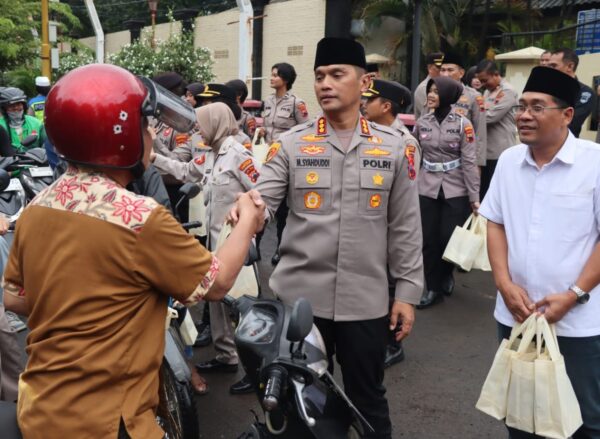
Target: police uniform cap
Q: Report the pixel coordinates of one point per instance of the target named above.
(217, 91)
(435, 58)
(452, 57)
(340, 51)
(554, 83)
(391, 90)
(168, 80)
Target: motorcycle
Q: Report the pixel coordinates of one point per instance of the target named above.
(284, 356)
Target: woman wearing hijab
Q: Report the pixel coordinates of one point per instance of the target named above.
(191, 90)
(448, 182)
(224, 169)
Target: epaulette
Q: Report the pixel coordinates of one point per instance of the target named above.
(384, 128)
(297, 128)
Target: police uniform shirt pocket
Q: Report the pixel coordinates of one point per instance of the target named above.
(573, 216)
(312, 190)
(374, 192)
(221, 187)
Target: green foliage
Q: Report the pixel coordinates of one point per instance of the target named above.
(70, 61)
(176, 54)
(23, 78)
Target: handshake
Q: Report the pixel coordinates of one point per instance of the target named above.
(249, 209)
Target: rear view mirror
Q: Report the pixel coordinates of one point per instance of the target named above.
(189, 190)
(301, 321)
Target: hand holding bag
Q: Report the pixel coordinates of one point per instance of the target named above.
(557, 412)
(245, 283)
(494, 394)
(464, 245)
(482, 261)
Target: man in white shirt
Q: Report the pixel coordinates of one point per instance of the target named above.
(543, 207)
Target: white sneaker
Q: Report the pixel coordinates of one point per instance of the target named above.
(15, 322)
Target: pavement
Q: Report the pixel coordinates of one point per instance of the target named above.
(432, 393)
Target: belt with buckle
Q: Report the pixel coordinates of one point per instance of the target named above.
(441, 167)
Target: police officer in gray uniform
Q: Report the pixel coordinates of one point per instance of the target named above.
(470, 104)
(448, 182)
(353, 214)
(434, 64)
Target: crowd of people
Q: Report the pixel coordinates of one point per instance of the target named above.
(349, 176)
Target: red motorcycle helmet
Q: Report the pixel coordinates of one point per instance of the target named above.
(94, 115)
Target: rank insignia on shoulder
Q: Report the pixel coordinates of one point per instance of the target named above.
(378, 179)
(312, 200)
(375, 201)
(376, 140)
(377, 152)
(364, 127)
(470, 133)
(480, 102)
(312, 178)
(321, 126)
(313, 138)
(200, 160)
(272, 151)
(312, 149)
(251, 124)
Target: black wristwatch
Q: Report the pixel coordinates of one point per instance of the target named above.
(582, 296)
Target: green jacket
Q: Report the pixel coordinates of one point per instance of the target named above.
(31, 126)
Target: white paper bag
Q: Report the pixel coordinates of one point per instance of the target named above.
(463, 247)
(246, 282)
(557, 412)
(260, 149)
(188, 330)
(494, 394)
(482, 261)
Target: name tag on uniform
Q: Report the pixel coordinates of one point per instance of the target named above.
(375, 163)
(312, 163)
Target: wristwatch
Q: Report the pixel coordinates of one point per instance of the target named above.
(582, 296)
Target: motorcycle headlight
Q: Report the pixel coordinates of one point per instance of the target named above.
(258, 326)
(316, 352)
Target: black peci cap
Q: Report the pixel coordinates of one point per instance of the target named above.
(452, 57)
(554, 83)
(340, 51)
(388, 90)
(372, 67)
(212, 91)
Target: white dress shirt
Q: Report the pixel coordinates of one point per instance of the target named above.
(552, 221)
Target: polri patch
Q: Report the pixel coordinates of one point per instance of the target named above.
(312, 200)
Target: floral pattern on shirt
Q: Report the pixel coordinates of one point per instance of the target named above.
(95, 194)
(207, 281)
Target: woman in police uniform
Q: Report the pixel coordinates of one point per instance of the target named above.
(448, 181)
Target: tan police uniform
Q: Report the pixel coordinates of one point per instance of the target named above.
(448, 180)
(247, 123)
(351, 213)
(501, 127)
(281, 114)
(410, 145)
(223, 175)
(471, 106)
(420, 99)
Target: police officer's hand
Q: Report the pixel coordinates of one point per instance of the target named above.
(555, 306)
(234, 214)
(517, 301)
(403, 313)
(251, 206)
(4, 223)
(475, 207)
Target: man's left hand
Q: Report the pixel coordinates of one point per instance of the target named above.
(555, 306)
(405, 314)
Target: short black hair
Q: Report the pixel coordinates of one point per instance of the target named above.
(286, 72)
(560, 102)
(469, 75)
(240, 88)
(487, 66)
(568, 55)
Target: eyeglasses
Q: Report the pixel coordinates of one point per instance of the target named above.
(534, 110)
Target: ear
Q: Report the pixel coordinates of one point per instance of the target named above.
(365, 82)
(387, 107)
(568, 114)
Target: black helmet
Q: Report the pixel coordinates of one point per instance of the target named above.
(12, 95)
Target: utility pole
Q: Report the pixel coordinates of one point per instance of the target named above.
(416, 46)
(46, 69)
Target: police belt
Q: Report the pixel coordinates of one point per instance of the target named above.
(441, 167)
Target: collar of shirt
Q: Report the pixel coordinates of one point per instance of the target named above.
(566, 153)
(227, 143)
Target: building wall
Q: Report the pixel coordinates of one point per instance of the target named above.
(291, 31)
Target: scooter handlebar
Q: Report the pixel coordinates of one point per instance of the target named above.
(276, 377)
